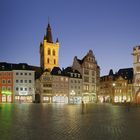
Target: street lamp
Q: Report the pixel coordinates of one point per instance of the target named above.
(113, 91)
(72, 94)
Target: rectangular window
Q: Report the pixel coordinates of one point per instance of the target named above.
(30, 74)
(21, 89)
(17, 73)
(16, 88)
(86, 72)
(86, 79)
(21, 73)
(9, 88)
(3, 81)
(16, 81)
(3, 88)
(30, 81)
(25, 81)
(8, 81)
(21, 81)
(25, 73)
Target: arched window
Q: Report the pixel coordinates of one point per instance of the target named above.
(53, 52)
(49, 52)
(48, 60)
(54, 61)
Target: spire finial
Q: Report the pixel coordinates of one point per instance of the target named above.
(49, 33)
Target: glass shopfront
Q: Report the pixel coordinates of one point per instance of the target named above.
(60, 99)
(23, 99)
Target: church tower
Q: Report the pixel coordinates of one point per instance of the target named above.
(49, 51)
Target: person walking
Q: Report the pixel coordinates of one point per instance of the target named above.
(83, 106)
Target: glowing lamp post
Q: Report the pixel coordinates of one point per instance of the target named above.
(72, 95)
(113, 91)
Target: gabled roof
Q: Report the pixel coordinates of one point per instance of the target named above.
(56, 71)
(69, 70)
(21, 66)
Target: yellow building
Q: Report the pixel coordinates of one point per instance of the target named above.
(49, 51)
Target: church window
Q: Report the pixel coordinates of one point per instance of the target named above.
(53, 52)
(54, 61)
(49, 52)
(48, 60)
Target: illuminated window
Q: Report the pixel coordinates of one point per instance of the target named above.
(66, 79)
(49, 52)
(138, 58)
(53, 52)
(9, 99)
(3, 98)
(138, 69)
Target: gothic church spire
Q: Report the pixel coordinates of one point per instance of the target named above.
(49, 34)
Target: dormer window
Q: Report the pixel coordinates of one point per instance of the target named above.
(59, 72)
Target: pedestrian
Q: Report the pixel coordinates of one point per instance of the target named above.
(128, 106)
(83, 106)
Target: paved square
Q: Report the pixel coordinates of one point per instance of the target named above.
(66, 122)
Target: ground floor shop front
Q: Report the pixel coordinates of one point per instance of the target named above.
(23, 98)
(4, 98)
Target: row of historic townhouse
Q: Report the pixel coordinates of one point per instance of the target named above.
(60, 86)
(15, 86)
(117, 87)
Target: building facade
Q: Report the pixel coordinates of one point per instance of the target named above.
(49, 51)
(106, 88)
(136, 66)
(17, 82)
(118, 87)
(6, 86)
(75, 85)
(24, 85)
(44, 87)
(60, 86)
(90, 72)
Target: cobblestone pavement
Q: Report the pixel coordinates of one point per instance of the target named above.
(66, 122)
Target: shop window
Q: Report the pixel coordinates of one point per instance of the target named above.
(9, 99)
(3, 98)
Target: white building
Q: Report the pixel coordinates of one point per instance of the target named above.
(24, 85)
(75, 85)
